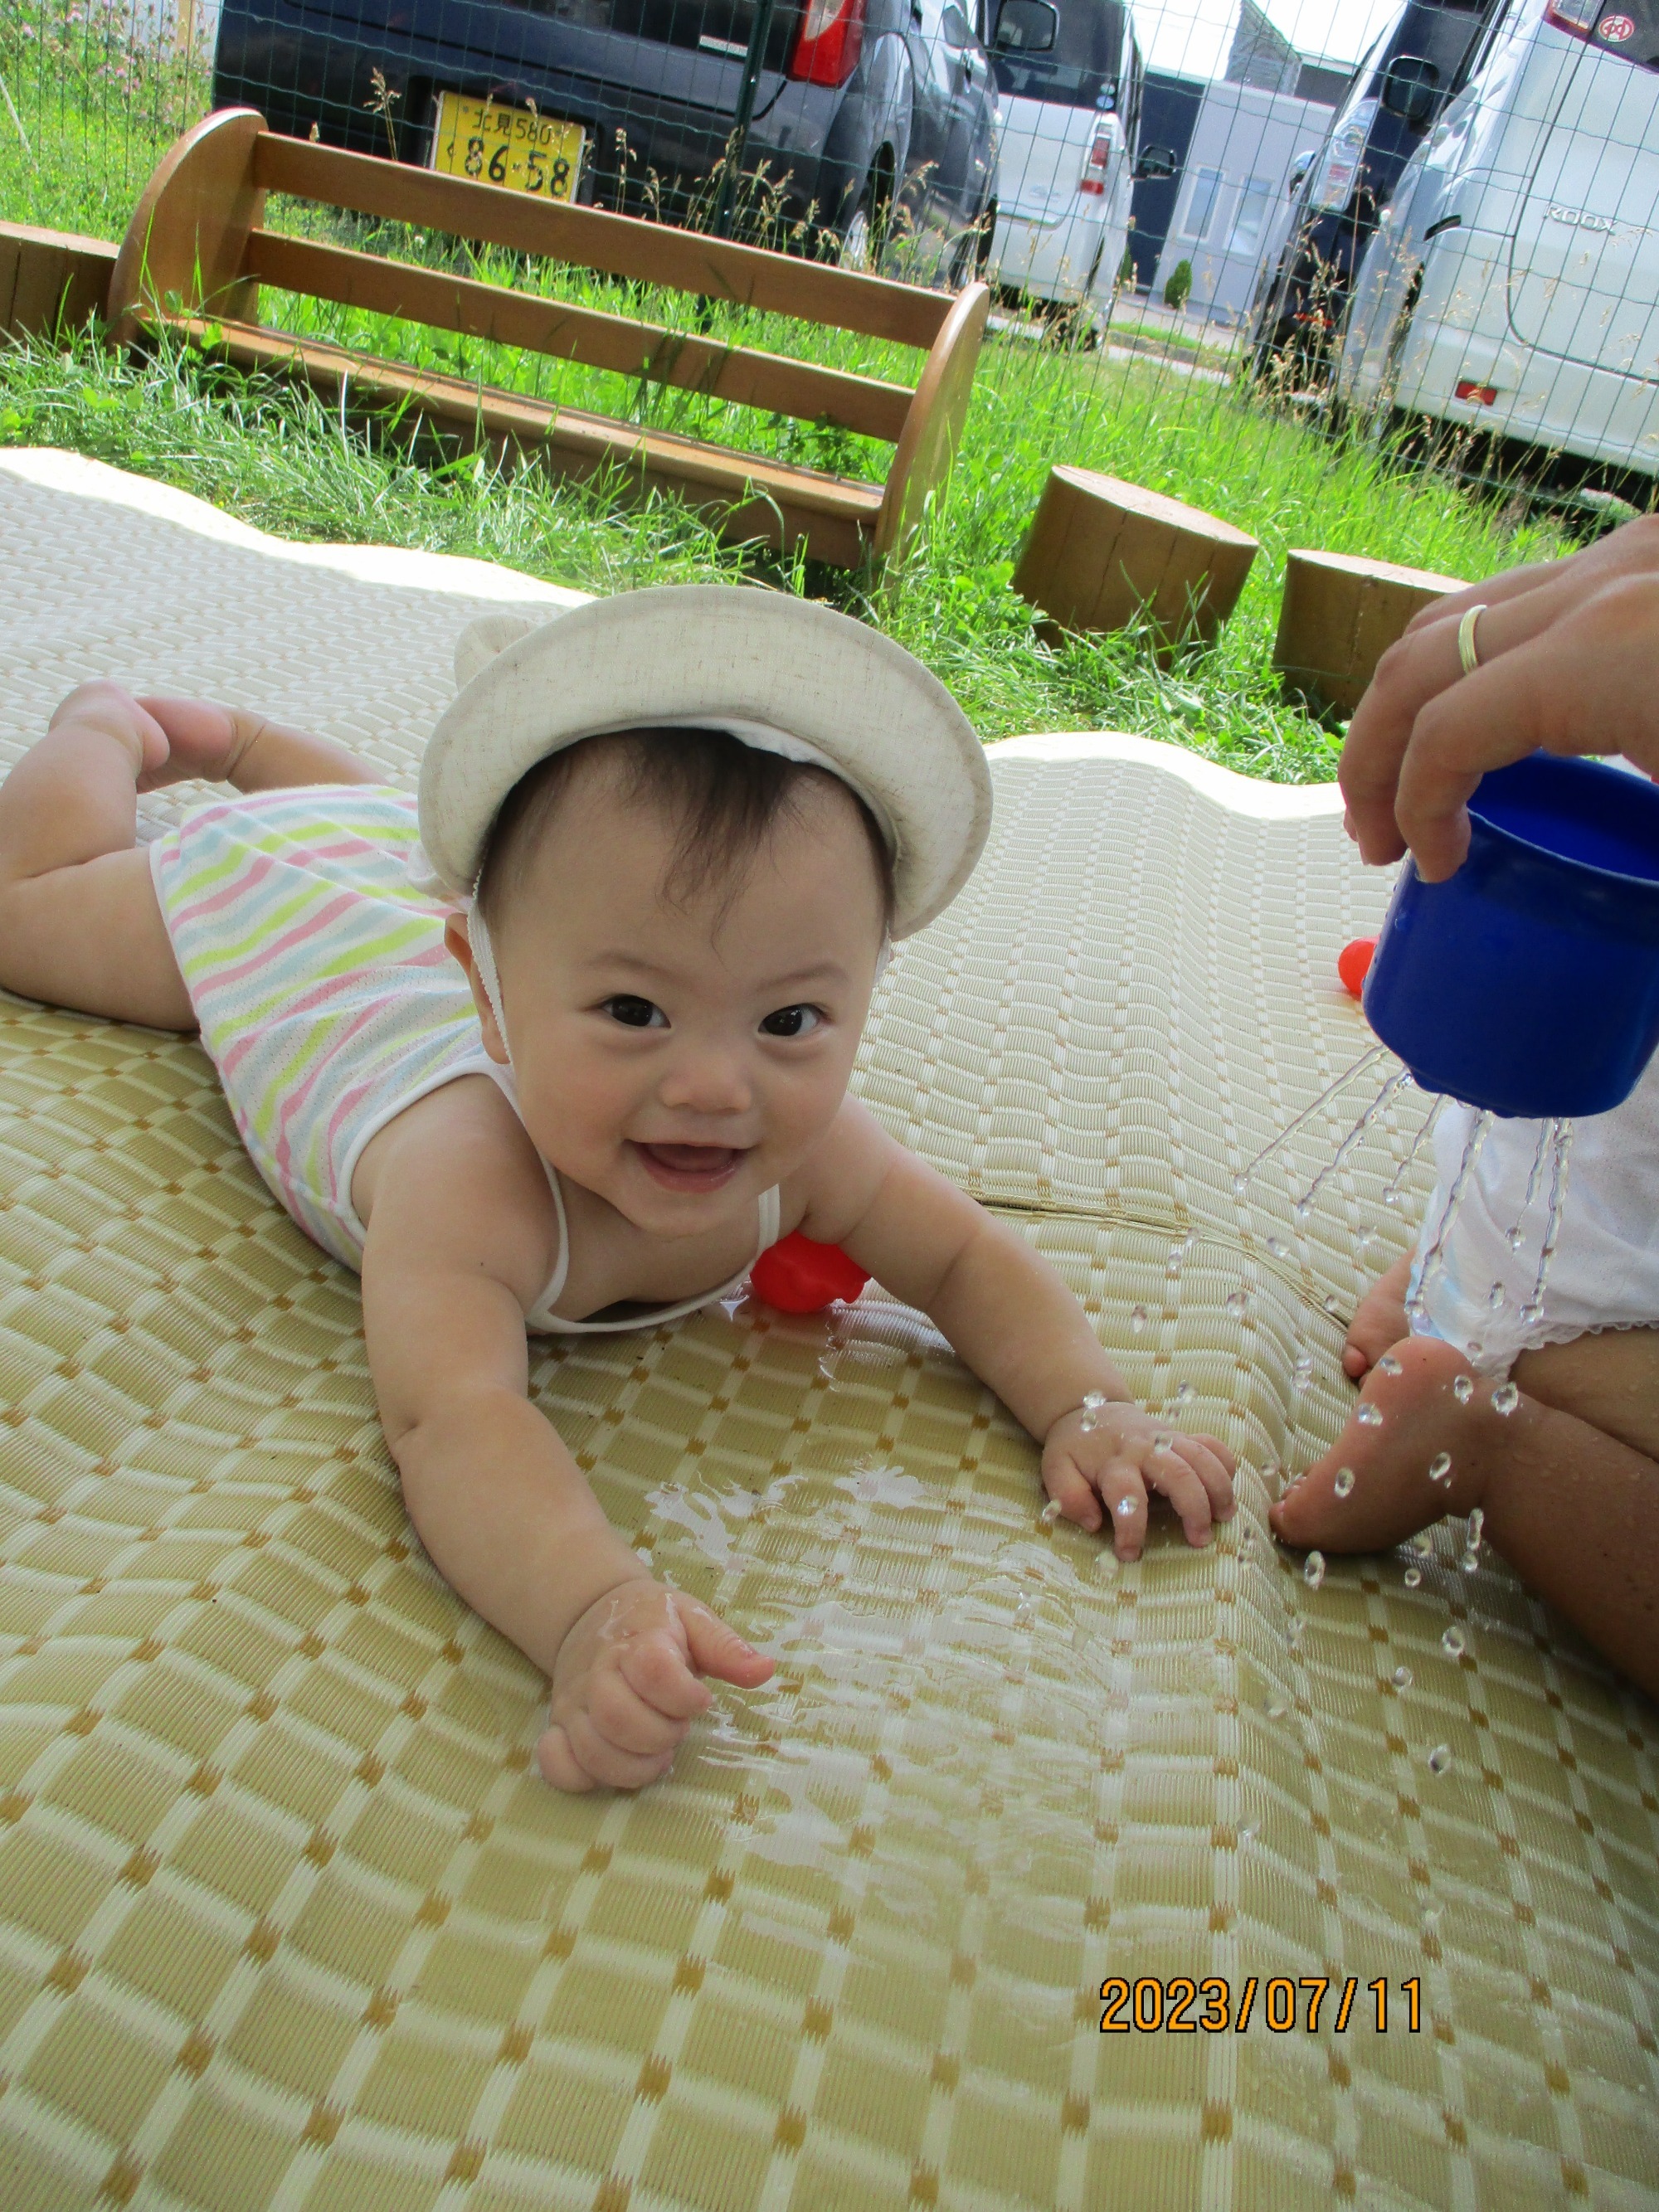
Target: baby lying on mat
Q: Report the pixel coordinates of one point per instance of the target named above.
(588, 1040)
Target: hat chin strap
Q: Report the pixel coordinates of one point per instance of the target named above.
(484, 961)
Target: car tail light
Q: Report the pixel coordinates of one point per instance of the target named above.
(1484, 395)
(1341, 161)
(829, 43)
(1093, 179)
(1608, 22)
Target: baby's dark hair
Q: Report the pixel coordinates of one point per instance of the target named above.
(726, 796)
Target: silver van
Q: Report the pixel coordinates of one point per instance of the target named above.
(1512, 288)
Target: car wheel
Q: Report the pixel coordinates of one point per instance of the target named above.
(857, 239)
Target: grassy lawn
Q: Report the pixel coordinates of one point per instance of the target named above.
(95, 119)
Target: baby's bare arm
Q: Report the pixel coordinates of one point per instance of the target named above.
(1013, 1320)
(458, 1248)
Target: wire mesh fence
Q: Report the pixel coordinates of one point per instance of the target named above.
(1441, 236)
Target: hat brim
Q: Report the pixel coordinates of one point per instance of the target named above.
(703, 653)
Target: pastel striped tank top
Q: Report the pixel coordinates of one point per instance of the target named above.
(327, 999)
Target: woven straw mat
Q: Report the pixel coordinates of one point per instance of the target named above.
(287, 1918)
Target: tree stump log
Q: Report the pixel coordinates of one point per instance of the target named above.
(1339, 616)
(1102, 554)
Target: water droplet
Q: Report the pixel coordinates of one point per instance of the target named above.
(1302, 1211)
(1106, 1564)
(1136, 1320)
(1506, 1398)
(1401, 1677)
(1470, 1561)
(1531, 1313)
(1477, 1527)
(1440, 1758)
(1247, 1835)
(1024, 1615)
(1389, 1366)
(1184, 1395)
(1050, 1513)
(1440, 1467)
(1344, 1483)
(1412, 1577)
(1240, 1184)
(1423, 1543)
(1237, 1301)
(1518, 1237)
(1274, 1709)
(1368, 1415)
(1312, 1569)
(1463, 1388)
(1125, 1509)
(1495, 1296)
(1454, 1642)
(1476, 1347)
(1302, 1375)
(1332, 1304)
(1278, 1247)
(1162, 1443)
(1093, 1403)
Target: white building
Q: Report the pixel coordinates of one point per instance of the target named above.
(1234, 182)
(1271, 103)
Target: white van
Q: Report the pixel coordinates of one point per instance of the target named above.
(1513, 286)
(1069, 96)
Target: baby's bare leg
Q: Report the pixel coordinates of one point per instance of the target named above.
(1569, 1479)
(80, 925)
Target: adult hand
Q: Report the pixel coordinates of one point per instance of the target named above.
(1567, 663)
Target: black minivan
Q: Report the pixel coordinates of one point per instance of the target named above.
(871, 118)
(1341, 191)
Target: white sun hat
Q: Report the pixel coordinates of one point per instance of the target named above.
(783, 674)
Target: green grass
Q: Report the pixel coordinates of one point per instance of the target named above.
(96, 120)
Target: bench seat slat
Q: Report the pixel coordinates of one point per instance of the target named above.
(737, 373)
(719, 469)
(651, 254)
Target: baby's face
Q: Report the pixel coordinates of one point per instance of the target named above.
(679, 1059)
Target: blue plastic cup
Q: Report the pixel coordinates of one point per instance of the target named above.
(1528, 983)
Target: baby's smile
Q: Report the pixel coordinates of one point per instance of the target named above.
(690, 1167)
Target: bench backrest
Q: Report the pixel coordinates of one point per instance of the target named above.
(197, 244)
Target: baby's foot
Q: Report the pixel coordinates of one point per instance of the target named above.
(1430, 1454)
(1379, 1321)
(626, 1684)
(204, 741)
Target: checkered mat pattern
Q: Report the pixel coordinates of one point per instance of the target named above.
(287, 1919)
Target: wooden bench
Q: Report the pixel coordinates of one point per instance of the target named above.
(196, 254)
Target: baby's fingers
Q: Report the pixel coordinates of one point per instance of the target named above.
(1123, 1495)
(1172, 1471)
(574, 1756)
(1214, 1466)
(1072, 1491)
(625, 1716)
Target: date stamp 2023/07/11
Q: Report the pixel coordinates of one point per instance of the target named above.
(1183, 2006)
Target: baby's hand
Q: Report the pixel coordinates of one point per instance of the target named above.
(1098, 1465)
(625, 1686)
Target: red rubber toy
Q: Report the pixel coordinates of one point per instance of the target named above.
(797, 1276)
(1353, 964)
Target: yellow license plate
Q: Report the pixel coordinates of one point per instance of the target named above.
(512, 146)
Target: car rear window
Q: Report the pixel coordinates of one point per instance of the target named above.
(1080, 70)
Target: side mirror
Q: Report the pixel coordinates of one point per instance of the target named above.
(1155, 164)
(1409, 88)
(1026, 27)
(1299, 169)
